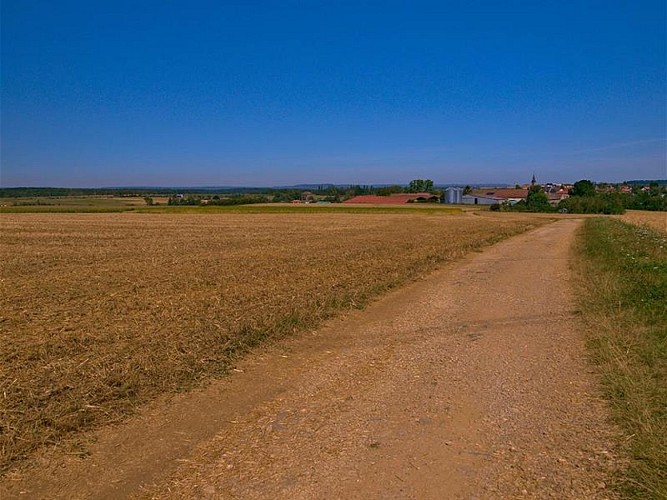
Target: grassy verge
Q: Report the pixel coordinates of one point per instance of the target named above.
(623, 292)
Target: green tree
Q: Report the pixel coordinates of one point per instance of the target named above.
(606, 203)
(420, 186)
(654, 189)
(388, 190)
(583, 187)
(537, 200)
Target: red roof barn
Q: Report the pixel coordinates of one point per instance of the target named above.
(394, 199)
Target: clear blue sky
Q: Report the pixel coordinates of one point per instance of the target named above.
(100, 93)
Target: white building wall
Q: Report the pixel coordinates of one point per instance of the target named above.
(469, 199)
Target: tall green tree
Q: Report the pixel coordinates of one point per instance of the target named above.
(583, 187)
(537, 200)
(420, 186)
(388, 190)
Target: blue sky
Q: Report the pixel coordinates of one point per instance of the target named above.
(98, 93)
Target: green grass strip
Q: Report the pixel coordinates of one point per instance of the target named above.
(622, 288)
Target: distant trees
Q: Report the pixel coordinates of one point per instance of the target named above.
(30, 192)
(191, 200)
(583, 187)
(585, 195)
(285, 196)
(358, 190)
(602, 203)
(183, 200)
(389, 190)
(537, 200)
(587, 198)
(420, 186)
(584, 199)
(239, 200)
(655, 198)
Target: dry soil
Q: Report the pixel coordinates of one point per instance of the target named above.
(472, 383)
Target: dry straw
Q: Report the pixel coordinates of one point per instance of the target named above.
(103, 312)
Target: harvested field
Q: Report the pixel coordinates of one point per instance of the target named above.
(656, 220)
(72, 204)
(102, 312)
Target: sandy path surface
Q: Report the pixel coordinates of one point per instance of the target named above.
(472, 383)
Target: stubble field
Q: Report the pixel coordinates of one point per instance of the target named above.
(656, 220)
(103, 312)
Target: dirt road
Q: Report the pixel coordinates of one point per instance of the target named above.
(472, 383)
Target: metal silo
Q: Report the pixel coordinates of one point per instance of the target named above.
(453, 195)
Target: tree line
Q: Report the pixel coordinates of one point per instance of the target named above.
(585, 198)
(281, 194)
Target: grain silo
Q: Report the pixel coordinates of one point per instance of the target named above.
(453, 195)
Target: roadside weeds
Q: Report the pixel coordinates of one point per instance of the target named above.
(622, 289)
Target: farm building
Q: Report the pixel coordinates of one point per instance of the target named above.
(556, 197)
(395, 199)
(510, 196)
(473, 199)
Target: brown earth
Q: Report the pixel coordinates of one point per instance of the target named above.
(472, 383)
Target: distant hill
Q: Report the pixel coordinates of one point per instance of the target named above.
(26, 192)
(644, 182)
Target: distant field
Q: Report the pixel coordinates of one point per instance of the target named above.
(657, 220)
(101, 312)
(73, 204)
(333, 208)
(103, 204)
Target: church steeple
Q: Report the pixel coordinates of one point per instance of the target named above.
(533, 181)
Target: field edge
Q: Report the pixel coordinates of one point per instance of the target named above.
(620, 286)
